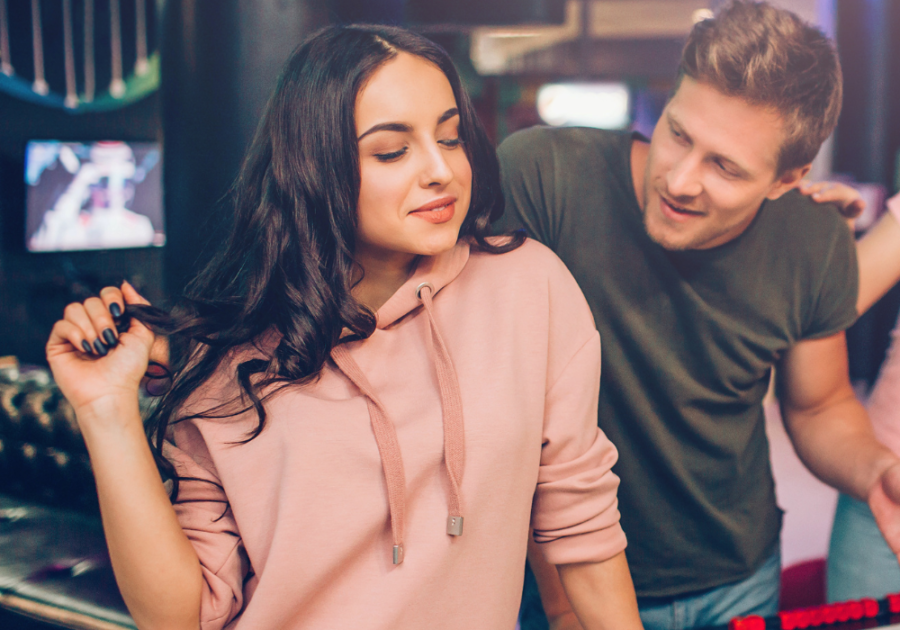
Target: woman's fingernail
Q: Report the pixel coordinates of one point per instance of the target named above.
(87, 347)
(115, 309)
(100, 348)
(109, 338)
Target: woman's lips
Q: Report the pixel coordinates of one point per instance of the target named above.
(438, 211)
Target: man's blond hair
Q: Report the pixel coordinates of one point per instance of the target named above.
(770, 57)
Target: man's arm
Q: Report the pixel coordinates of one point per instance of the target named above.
(831, 432)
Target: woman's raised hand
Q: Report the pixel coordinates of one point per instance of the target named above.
(846, 198)
(91, 362)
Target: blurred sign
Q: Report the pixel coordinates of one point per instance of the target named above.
(602, 105)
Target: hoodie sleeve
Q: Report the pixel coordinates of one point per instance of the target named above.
(206, 518)
(575, 514)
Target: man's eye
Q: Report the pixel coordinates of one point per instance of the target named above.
(388, 157)
(725, 170)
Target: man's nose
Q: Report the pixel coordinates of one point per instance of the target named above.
(683, 179)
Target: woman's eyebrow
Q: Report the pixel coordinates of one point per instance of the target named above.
(403, 127)
(447, 115)
(391, 126)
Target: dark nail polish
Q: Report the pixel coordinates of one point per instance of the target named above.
(100, 348)
(115, 309)
(110, 338)
(87, 347)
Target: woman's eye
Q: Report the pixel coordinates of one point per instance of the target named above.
(389, 157)
(451, 142)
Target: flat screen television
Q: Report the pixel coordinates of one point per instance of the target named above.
(93, 195)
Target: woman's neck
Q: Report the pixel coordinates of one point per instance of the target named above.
(383, 275)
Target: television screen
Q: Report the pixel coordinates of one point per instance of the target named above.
(93, 195)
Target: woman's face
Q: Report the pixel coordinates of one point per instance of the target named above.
(415, 178)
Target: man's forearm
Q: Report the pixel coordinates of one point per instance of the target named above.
(838, 445)
(602, 594)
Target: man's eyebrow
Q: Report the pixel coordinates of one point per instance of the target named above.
(673, 122)
(741, 171)
(403, 127)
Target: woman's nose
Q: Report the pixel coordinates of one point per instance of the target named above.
(436, 171)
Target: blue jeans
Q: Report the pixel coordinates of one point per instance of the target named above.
(755, 595)
(860, 563)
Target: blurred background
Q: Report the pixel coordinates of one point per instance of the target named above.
(175, 89)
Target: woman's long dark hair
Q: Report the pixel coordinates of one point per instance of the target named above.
(287, 265)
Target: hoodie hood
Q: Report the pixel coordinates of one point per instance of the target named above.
(438, 271)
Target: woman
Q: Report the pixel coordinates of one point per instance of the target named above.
(375, 401)
(860, 562)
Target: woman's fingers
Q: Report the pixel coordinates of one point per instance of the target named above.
(67, 336)
(809, 188)
(847, 198)
(76, 315)
(114, 300)
(103, 324)
(131, 295)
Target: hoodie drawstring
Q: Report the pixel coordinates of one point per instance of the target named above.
(451, 405)
(388, 447)
(386, 434)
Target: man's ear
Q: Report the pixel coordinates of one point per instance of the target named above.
(787, 181)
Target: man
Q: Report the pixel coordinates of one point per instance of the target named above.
(704, 271)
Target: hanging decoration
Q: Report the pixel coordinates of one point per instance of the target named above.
(79, 55)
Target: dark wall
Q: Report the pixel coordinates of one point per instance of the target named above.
(867, 142)
(34, 288)
(220, 61)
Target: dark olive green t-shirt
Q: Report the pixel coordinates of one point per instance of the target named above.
(689, 340)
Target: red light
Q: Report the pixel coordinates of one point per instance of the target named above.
(816, 616)
(894, 603)
(843, 611)
(788, 620)
(870, 607)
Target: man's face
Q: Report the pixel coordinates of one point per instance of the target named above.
(712, 162)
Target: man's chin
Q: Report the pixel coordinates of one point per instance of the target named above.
(667, 239)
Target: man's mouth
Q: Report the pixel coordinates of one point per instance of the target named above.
(676, 212)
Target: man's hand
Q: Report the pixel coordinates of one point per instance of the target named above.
(847, 199)
(884, 501)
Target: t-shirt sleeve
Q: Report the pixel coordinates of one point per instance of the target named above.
(575, 515)
(528, 177)
(206, 518)
(834, 308)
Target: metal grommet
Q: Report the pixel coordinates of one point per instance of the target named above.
(422, 286)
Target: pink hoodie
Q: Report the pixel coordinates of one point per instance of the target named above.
(480, 404)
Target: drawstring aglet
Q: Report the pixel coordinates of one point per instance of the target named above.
(455, 525)
(398, 554)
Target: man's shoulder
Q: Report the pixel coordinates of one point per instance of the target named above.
(796, 216)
